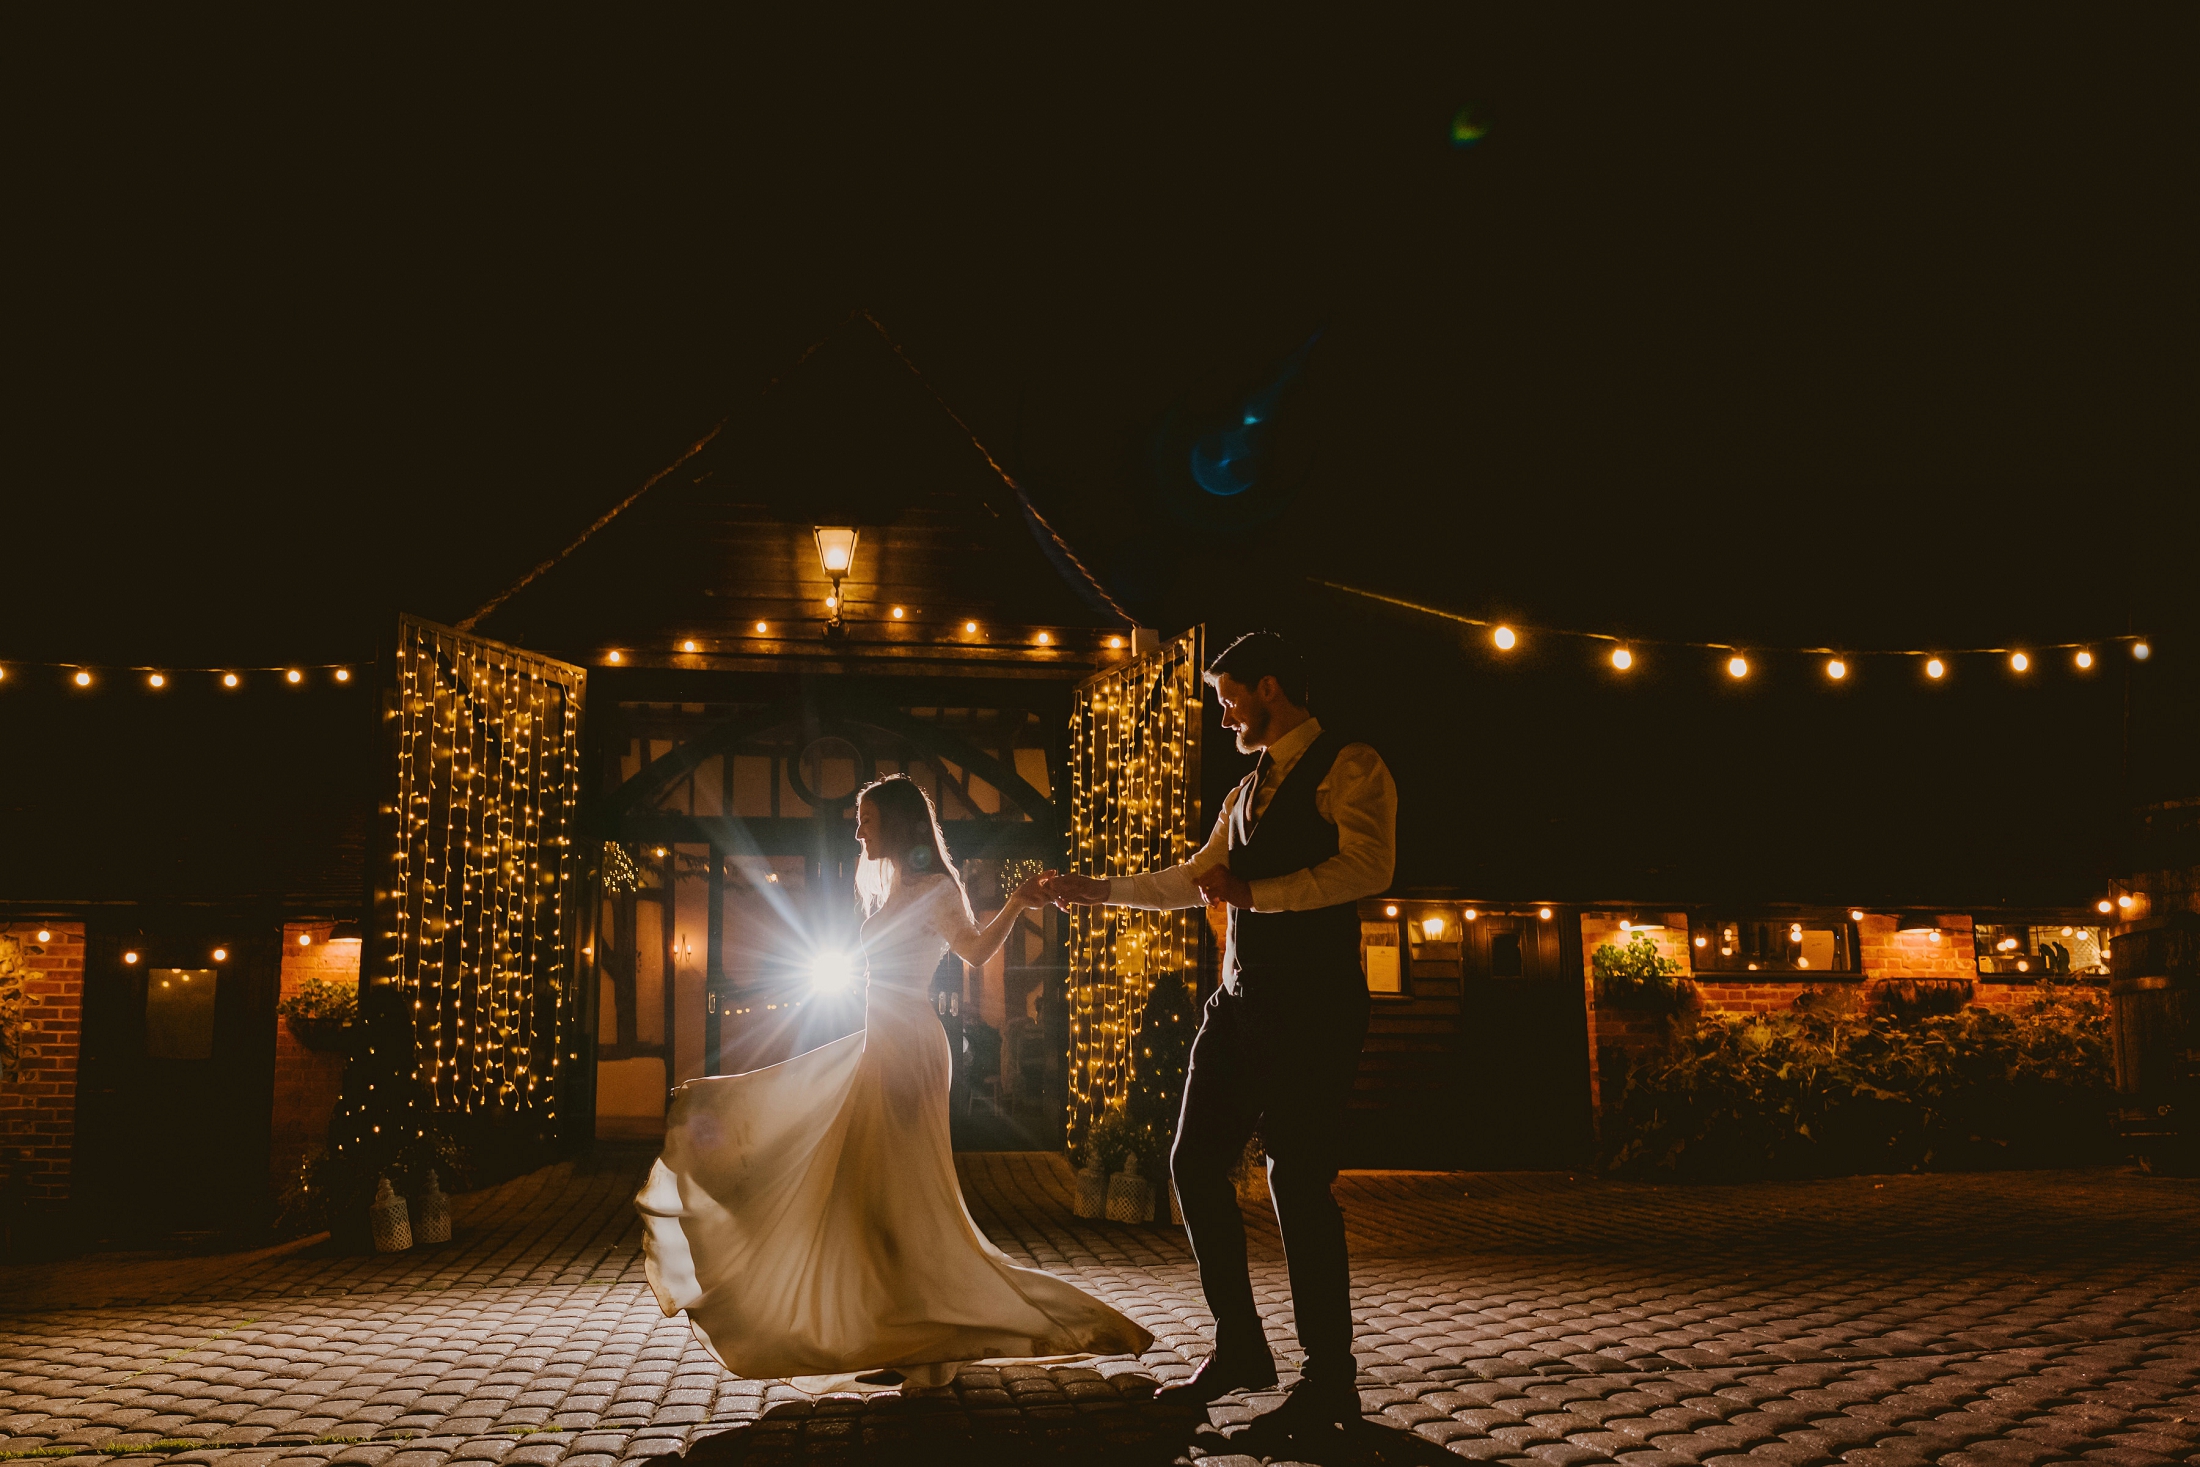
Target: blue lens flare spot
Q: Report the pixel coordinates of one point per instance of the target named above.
(1227, 462)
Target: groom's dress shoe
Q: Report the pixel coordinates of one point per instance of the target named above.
(1318, 1402)
(1216, 1378)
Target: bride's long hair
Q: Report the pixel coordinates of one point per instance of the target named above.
(909, 828)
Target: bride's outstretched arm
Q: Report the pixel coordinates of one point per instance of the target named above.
(977, 945)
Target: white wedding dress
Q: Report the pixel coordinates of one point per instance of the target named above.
(807, 1215)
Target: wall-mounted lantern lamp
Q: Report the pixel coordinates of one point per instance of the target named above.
(836, 552)
(1928, 923)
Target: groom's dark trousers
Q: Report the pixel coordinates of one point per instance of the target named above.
(1276, 1053)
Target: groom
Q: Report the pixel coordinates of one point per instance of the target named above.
(1299, 841)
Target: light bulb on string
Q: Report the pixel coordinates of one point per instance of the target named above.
(1935, 668)
(1836, 669)
(2141, 651)
(83, 679)
(1504, 639)
(2084, 659)
(155, 680)
(1737, 667)
(1622, 658)
(2018, 662)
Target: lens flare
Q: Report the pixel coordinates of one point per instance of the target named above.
(1468, 127)
(831, 972)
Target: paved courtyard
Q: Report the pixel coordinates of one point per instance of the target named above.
(1537, 1319)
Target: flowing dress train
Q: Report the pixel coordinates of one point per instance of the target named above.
(807, 1215)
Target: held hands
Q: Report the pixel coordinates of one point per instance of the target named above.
(1222, 885)
(1065, 890)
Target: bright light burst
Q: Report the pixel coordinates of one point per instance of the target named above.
(831, 972)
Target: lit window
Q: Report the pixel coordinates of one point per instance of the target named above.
(1380, 958)
(179, 1013)
(2017, 952)
(1811, 945)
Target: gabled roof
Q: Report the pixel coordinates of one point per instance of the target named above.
(850, 437)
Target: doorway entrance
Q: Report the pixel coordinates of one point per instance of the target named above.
(725, 935)
(175, 1098)
(1523, 1046)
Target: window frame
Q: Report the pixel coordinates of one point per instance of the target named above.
(1705, 963)
(1982, 954)
(1401, 945)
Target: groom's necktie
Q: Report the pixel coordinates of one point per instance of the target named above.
(1256, 799)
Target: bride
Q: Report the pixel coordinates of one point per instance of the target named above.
(807, 1215)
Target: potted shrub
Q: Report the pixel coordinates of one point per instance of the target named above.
(321, 1012)
(1638, 976)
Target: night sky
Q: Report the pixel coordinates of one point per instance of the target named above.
(1872, 329)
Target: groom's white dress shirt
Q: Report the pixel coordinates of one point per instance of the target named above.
(1357, 796)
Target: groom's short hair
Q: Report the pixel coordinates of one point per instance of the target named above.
(1262, 654)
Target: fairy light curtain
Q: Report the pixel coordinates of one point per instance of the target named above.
(475, 900)
(1134, 807)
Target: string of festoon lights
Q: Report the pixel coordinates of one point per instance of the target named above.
(1837, 665)
(161, 678)
(1133, 790)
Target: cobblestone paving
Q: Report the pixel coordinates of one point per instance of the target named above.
(1976, 1321)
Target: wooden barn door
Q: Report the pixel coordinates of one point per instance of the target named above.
(475, 880)
(1134, 807)
(1523, 1062)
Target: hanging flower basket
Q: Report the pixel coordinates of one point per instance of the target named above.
(320, 1013)
(322, 1033)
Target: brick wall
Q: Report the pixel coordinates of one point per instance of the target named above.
(1892, 954)
(307, 1081)
(38, 1105)
(1886, 953)
(1632, 1032)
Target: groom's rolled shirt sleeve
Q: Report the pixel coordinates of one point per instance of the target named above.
(1176, 886)
(1361, 799)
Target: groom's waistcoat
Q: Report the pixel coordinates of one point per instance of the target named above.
(1322, 943)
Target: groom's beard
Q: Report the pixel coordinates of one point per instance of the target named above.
(1253, 737)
